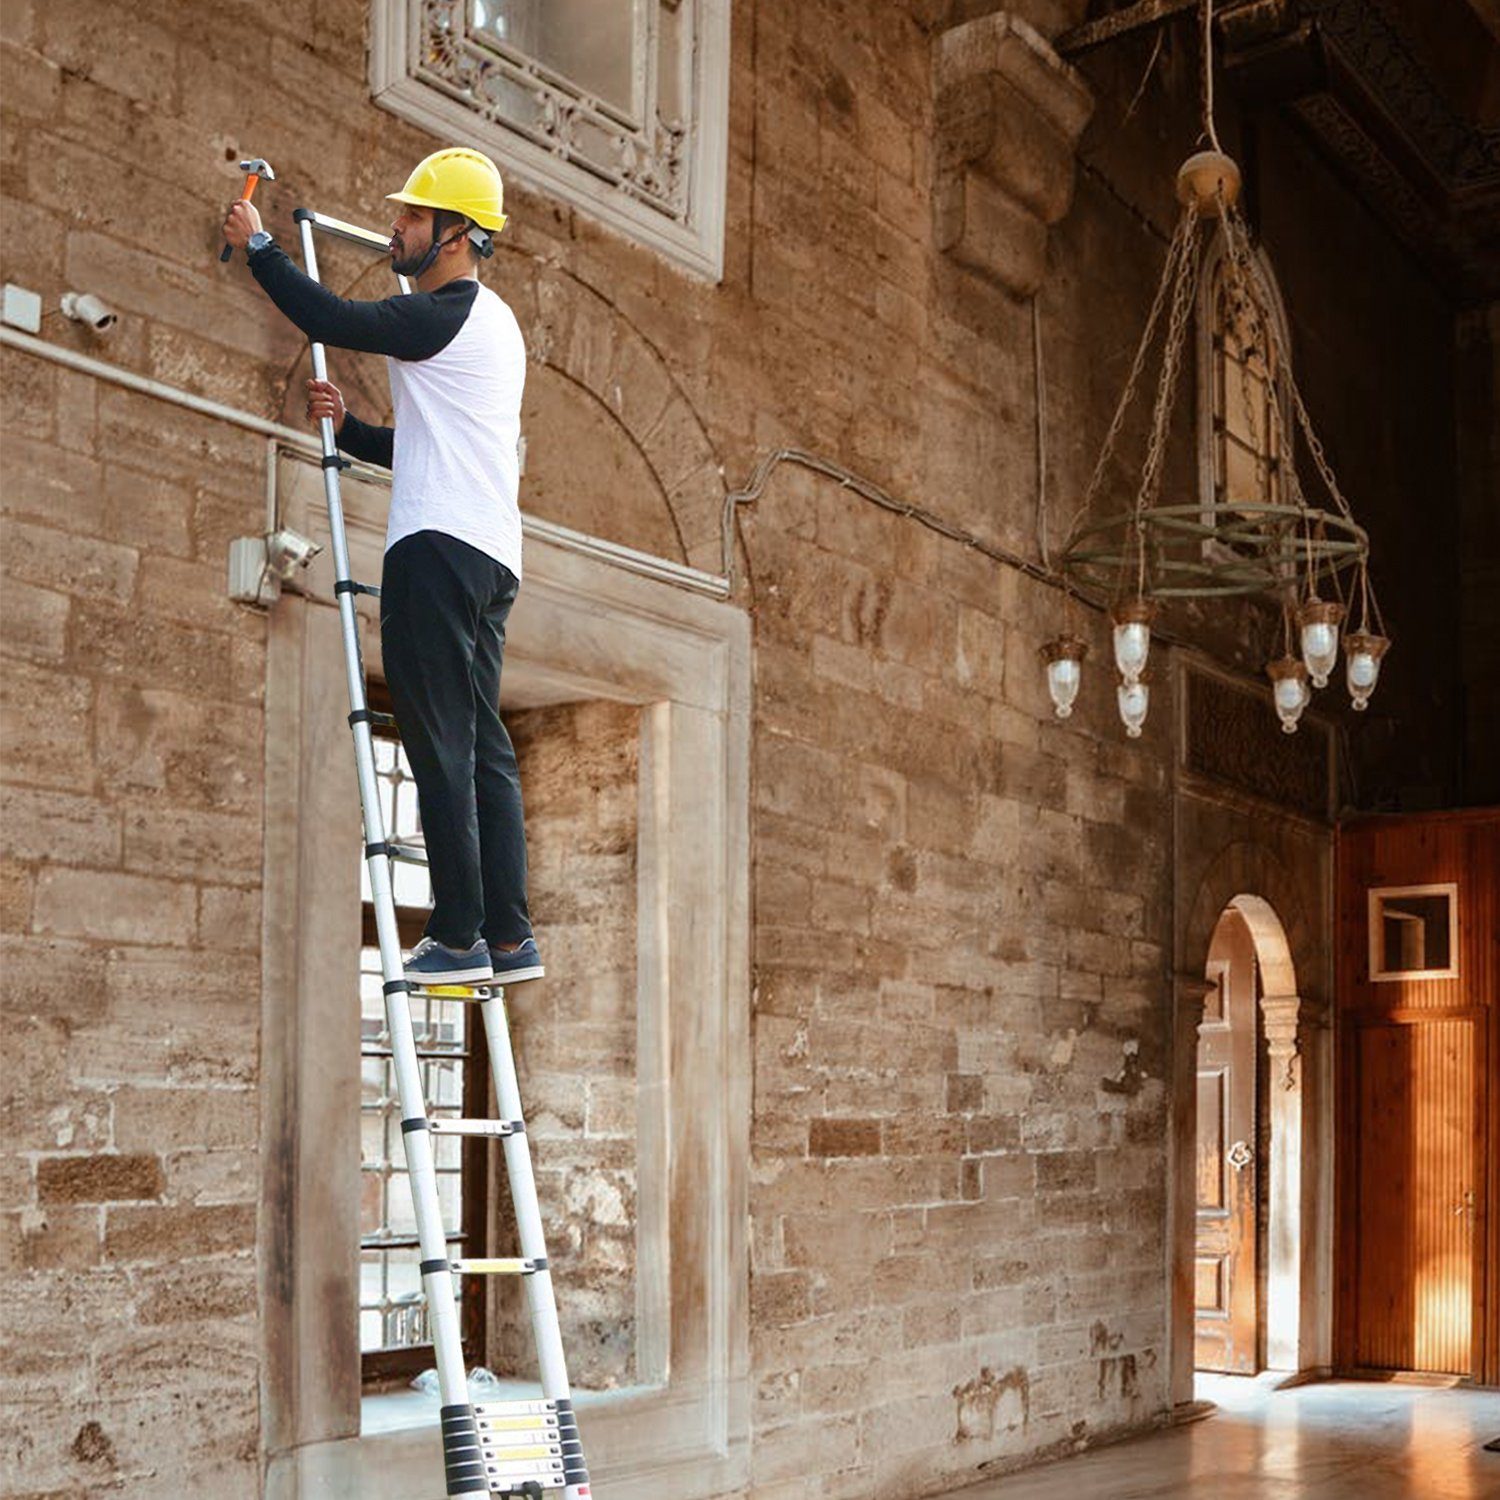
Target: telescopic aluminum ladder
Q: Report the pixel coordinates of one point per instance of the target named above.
(508, 1448)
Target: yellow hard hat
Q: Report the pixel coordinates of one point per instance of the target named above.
(464, 181)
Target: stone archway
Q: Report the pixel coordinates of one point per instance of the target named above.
(1280, 1012)
(1284, 903)
(577, 333)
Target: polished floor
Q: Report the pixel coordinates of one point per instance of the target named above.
(1340, 1440)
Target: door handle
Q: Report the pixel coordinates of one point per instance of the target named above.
(1240, 1155)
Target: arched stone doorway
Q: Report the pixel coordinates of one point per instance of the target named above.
(1282, 897)
(1248, 1230)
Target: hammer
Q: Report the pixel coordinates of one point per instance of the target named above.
(257, 167)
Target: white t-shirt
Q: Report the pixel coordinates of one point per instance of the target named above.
(458, 427)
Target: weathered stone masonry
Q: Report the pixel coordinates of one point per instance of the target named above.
(962, 911)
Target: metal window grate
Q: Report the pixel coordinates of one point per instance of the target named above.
(392, 1311)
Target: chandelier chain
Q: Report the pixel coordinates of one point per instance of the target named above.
(1237, 237)
(1209, 128)
(1166, 390)
(1180, 236)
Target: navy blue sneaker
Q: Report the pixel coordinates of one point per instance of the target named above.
(430, 962)
(512, 968)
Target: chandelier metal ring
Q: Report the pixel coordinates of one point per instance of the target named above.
(1261, 546)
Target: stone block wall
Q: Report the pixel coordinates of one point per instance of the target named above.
(961, 924)
(958, 1205)
(132, 870)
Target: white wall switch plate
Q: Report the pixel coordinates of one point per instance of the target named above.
(21, 308)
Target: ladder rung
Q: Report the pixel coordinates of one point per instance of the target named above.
(541, 1422)
(526, 1430)
(478, 993)
(475, 1127)
(372, 716)
(411, 854)
(505, 1443)
(506, 1266)
(548, 1472)
(519, 1451)
(500, 1411)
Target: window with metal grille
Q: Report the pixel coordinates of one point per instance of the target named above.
(617, 106)
(1244, 425)
(394, 1338)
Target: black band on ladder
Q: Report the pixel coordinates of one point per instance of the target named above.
(349, 586)
(463, 1459)
(420, 1122)
(396, 987)
(370, 716)
(335, 461)
(430, 1267)
(299, 214)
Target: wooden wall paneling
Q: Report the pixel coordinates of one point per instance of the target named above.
(1418, 1131)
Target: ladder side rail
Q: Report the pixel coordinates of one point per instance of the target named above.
(532, 1237)
(464, 1476)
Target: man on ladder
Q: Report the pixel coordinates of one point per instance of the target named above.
(457, 366)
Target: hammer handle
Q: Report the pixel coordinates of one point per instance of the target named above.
(250, 182)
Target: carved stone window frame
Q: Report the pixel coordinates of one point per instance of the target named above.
(429, 92)
(588, 627)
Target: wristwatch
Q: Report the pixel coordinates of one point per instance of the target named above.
(257, 241)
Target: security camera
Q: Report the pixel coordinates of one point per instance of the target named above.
(288, 550)
(85, 307)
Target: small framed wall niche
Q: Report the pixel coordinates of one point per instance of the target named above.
(1413, 932)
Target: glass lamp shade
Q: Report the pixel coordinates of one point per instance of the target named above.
(1319, 622)
(1132, 636)
(1289, 690)
(1064, 658)
(1134, 699)
(1362, 654)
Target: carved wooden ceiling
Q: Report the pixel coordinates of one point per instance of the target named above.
(1404, 97)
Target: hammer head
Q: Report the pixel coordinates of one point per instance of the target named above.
(259, 167)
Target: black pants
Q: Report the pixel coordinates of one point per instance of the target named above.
(443, 606)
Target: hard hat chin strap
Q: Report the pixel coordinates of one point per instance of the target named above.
(479, 238)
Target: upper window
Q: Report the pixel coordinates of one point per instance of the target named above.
(1242, 430)
(619, 107)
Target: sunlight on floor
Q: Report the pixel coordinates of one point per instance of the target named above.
(1337, 1440)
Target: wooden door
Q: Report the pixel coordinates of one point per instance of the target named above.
(1419, 935)
(1225, 1324)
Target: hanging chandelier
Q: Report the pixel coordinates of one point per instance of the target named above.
(1260, 533)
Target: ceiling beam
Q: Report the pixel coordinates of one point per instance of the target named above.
(1118, 23)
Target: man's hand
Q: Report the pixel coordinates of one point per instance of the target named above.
(323, 400)
(242, 220)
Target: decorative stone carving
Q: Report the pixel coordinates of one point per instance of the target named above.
(1280, 1018)
(1009, 115)
(1229, 737)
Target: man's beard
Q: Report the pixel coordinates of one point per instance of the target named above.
(407, 265)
